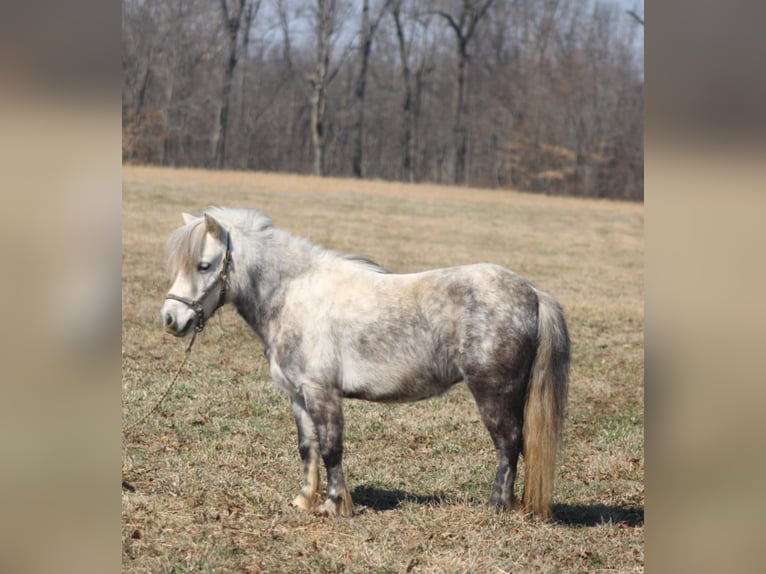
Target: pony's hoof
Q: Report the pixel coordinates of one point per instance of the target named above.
(301, 502)
(343, 506)
(499, 506)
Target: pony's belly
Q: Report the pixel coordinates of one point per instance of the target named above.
(388, 386)
(408, 393)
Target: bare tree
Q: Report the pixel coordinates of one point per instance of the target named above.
(232, 23)
(464, 27)
(415, 64)
(325, 20)
(327, 27)
(407, 139)
(324, 29)
(366, 34)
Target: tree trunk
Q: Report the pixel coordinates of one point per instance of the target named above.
(223, 116)
(317, 128)
(361, 86)
(464, 28)
(459, 130)
(144, 85)
(318, 82)
(165, 115)
(417, 98)
(408, 170)
(231, 26)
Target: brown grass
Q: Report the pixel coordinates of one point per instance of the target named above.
(215, 468)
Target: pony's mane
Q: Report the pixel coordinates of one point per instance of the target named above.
(362, 260)
(248, 221)
(184, 245)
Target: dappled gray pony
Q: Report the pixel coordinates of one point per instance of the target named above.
(339, 326)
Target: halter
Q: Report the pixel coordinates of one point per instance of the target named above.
(196, 304)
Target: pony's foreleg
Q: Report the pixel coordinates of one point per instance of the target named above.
(325, 410)
(308, 446)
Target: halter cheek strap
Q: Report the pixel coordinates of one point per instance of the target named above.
(196, 305)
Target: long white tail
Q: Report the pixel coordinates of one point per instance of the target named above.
(545, 405)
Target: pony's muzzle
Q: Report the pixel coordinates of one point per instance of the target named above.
(172, 323)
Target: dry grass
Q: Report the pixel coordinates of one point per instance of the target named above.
(216, 466)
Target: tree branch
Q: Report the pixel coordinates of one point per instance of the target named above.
(379, 17)
(331, 76)
(635, 16)
(483, 10)
(451, 22)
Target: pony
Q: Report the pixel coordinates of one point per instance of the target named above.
(337, 326)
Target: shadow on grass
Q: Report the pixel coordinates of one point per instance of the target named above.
(382, 499)
(595, 514)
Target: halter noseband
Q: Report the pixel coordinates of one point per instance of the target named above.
(196, 304)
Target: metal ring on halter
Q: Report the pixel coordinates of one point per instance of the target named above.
(196, 305)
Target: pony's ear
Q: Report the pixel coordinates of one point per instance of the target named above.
(188, 218)
(214, 228)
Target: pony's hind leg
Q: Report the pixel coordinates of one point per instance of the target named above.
(324, 408)
(308, 446)
(502, 412)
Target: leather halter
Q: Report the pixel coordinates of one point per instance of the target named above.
(196, 304)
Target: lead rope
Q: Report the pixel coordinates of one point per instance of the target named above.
(196, 306)
(165, 393)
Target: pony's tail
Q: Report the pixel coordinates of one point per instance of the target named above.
(544, 407)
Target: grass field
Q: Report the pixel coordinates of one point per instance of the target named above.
(216, 466)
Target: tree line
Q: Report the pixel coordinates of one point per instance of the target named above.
(542, 95)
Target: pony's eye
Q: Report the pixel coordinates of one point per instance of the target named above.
(204, 266)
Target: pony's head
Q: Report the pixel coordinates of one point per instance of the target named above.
(198, 256)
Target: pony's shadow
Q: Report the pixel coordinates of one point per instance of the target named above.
(381, 499)
(595, 514)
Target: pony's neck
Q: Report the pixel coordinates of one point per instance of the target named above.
(276, 260)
